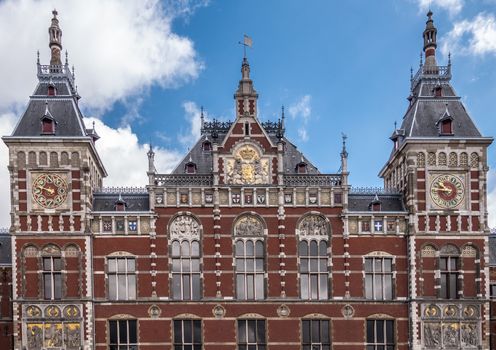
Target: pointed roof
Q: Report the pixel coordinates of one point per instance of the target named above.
(61, 103)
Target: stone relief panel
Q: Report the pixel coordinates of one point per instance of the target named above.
(313, 225)
(446, 326)
(248, 225)
(184, 226)
(247, 167)
(47, 327)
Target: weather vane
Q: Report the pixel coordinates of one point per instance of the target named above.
(247, 41)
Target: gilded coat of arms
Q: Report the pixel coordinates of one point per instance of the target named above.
(247, 167)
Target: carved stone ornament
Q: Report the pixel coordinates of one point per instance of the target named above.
(348, 311)
(72, 311)
(247, 167)
(184, 226)
(159, 198)
(469, 335)
(469, 252)
(33, 311)
(73, 335)
(283, 311)
(470, 311)
(52, 311)
(248, 225)
(432, 311)
(313, 225)
(34, 335)
(451, 334)
(450, 311)
(432, 335)
(219, 311)
(428, 252)
(154, 311)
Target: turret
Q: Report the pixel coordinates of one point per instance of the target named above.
(430, 43)
(55, 40)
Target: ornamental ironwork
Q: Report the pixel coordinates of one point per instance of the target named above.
(183, 180)
(308, 180)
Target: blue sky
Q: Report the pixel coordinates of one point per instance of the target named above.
(144, 67)
(352, 59)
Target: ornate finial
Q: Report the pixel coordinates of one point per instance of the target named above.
(411, 73)
(421, 56)
(449, 58)
(202, 118)
(66, 58)
(395, 126)
(46, 107)
(38, 57)
(344, 152)
(55, 44)
(430, 43)
(93, 126)
(247, 41)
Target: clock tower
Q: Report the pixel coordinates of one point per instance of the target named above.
(439, 163)
(54, 170)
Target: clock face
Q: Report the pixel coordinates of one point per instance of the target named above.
(50, 190)
(447, 191)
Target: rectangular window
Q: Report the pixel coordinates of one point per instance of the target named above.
(186, 270)
(251, 335)
(380, 335)
(448, 266)
(250, 270)
(121, 273)
(123, 335)
(52, 277)
(187, 335)
(315, 335)
(493, 291)
(313, 270)
(379, 278)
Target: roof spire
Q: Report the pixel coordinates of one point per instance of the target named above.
(246, 96)
(55, 43)
(38, 57)
(430, 43)
(202, 119)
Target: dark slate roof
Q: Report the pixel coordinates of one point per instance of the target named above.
(134, 201)
(64, 111)
(61, 88)
(492, 249)
(5, 249)
(426, 110)
(204, 161)
(389, 202)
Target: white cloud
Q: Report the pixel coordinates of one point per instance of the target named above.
(302, 110)
(125, 158)
(7, 123)
(193, 117)
(452, 6)
(472, 37)
(491, 198)
(120, 48)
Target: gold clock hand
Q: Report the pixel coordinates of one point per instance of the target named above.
(49, 190)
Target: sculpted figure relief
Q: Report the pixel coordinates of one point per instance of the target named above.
(469, 335)
(248, 225)
(184, 226)
(247, 167)
(432, 335)
(35, 336)
(450, 335)
(72, 335)
(313, 225)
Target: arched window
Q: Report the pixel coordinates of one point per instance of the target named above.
(185, 256)
(186, 270)
(313, 234)
(249, 254)
(51, 260)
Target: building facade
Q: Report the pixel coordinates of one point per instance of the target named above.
(246, 244)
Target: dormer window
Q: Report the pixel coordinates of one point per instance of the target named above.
(247, 129)
(207, 146)
(375, 205)
(447, 127)
(47, 126)
(190, 168)
(120, 204)
(301, 168)
(438, 91)
(52, 91)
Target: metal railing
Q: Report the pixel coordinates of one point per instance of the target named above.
(183, 180)
(312, 180)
